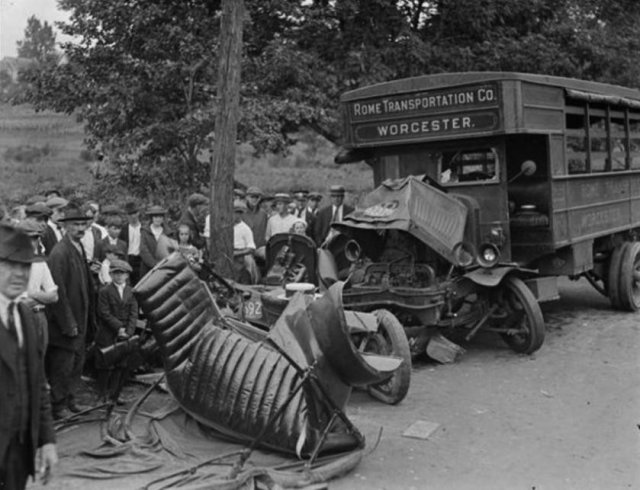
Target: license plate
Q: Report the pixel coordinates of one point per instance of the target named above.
(253, 310)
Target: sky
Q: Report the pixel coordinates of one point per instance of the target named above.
(13, 20)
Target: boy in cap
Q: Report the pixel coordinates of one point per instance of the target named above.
(281, 221)
(24, 401)
(335, 212)
(117, 317)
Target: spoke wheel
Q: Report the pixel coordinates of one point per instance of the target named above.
(391, 340)
(523, 316)
(629, 278)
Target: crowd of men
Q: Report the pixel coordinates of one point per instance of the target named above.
(66, 270)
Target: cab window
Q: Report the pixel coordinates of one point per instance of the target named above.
(474, 166)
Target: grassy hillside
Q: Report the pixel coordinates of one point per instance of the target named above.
(39, 151)
(45, 150)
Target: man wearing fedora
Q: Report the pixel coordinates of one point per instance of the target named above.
(282, 220)
(73, 314)
(335, 212)
(152, 238)
(27, 439)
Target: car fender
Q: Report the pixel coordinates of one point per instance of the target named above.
(489, 277)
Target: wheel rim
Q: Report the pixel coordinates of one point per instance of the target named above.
(378, 343)
(517, 318)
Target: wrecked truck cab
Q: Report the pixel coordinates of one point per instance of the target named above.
(414, 249)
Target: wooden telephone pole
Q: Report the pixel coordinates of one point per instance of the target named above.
(224, 149)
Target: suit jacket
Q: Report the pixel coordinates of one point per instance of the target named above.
(322, 223)
(115, 313)
(49, 240)
(149, 255)
(74, 308)
(40, 425)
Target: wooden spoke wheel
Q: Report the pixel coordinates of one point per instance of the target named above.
(390, 339)
(629, 278)
(523, 316)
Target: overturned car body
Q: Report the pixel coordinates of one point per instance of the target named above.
(284, 390)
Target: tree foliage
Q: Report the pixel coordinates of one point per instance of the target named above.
(142, 74)
(39, 41)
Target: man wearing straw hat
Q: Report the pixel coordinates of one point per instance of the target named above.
(281, 221)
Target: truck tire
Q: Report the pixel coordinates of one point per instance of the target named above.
(614, 275)
(629, 284)
(517, 299)
(391, 340)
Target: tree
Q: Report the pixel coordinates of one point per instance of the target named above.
(39, 41)
(223, 161)
(140, 73)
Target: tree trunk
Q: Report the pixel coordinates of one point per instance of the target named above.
(224, 149)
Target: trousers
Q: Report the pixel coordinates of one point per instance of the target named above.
(14, 469)
(64, 369)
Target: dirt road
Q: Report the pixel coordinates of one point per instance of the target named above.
(564, 418)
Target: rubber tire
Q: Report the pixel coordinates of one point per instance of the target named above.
(614, 275)
(391, 339)
(532, 312)
(628, 298)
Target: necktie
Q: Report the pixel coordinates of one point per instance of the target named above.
(335, 214)
(11, 321)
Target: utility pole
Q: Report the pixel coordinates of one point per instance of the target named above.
(226, 130)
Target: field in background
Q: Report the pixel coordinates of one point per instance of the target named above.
(44, 150)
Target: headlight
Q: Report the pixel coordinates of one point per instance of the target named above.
(464, 254)
(489, 255)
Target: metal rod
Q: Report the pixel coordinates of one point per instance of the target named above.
(482, 321)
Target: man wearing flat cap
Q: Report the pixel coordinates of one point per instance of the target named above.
(194, 217)
(281, 221)
(54, 232)
(27, 439)
(71, 317)
(335, 212)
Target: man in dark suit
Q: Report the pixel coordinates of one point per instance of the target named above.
(69, 318)
(54, 231)
(335, 212)
(25, 420)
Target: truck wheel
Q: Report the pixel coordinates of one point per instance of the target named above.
(629, 278)
(614, 275)
(523, 315)
(390, 339)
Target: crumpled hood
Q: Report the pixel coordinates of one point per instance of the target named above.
(409, 204)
